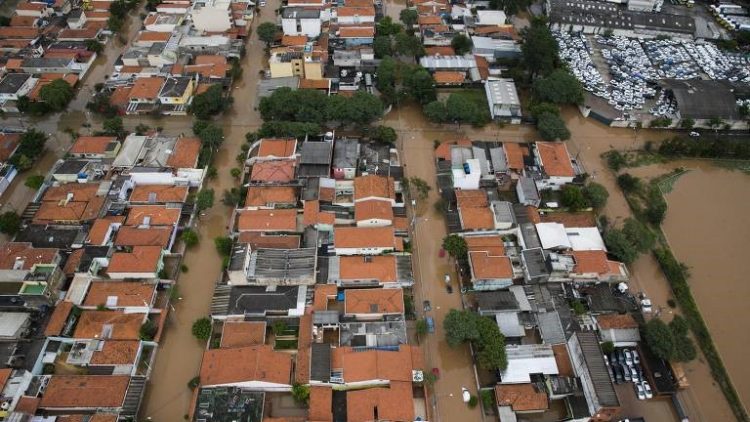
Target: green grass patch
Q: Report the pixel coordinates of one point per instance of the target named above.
(285, 344)
(667, 181)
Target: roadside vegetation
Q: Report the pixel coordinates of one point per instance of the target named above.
(483, 334)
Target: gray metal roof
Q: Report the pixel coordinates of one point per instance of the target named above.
(13, 82)
(502, 91)
(594, 361)
(320, 362)
(497, 301)
(503, 212)
(535, 264)
(345, 153)
(315, 153)
(283, 265)
(373, 334)
(257, 300)
(551, 327)
(448, 62)
(698, 99)
(300, 13)
(325, 317)
(608, 15)
(509, 324)
(42, 62)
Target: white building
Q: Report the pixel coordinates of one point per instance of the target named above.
(491, 17)
(299, 21)
(466, 176)
(526, 360)
(502, 99)
(215, 16)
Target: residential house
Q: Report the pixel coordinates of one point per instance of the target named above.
(361, 34)
(620, 329)
(144, 95)
(128, 296)
(12, 87)
(162, 22)
(493, 49)
(270, 197)
(239, 302)
(526, 360)
(95, 147)
(368, 270)
(373, 304)
(80, 393)
(589, 366)
(109, 325)
(365, 240)
(71, 203)
(373, 213)
(520, 399)
(176, 95)
(264, 220)
(142, 262)
(374, 187)
(556, 165)
(214, 16)
(36, 9)
(258, 368)
(345, 158)
(349, 15)
(594, 266)
(272, 266)
(300, 21)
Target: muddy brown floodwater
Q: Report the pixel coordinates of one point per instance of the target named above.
(713, 203)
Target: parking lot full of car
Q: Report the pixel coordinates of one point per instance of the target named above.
(624, 365)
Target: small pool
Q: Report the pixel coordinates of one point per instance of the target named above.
(33, 288)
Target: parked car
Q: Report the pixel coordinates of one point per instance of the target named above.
(628, 356)
(606, 360)
(695, 134)
(465, 394)
(626, 373)
(639, 391)
(619, 378)
(634, 375)
(646, 306)
(430, 324)
(427, 306)
(620, 356)
(647, 390)
(636, 358)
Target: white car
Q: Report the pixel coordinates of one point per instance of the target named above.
(639, 391)
(646, 306)
(465, 394)
(647, 390)
(636, 359)
(695, 134)
(628, 357)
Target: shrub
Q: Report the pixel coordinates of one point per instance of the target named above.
(194, 383)
(147, 330)
(473, 401)
(190, 237)
(34, 182)
(202, 328)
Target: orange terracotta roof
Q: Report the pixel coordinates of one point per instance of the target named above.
(379, 267)
(120, 96)
(321, 403)
(147, 88)
(440, 50)
(590, 262)
(489, 243)
(158, 215)
(358, 3)
(570, 219)
(312, 215)
(616, 321)
(101, 227)
(159, 193)
(80, 34)
(304, 344)
(244, 364)
(326, 194)
(373, 209)
(58, 319)
(152, 236)
(13, 64)
(5, 376)
(97, 15)
(74, 260)
(92, 144)
(377, 364)
(143, 259)
(484, 266)
(514, 154)
(438, 28)
(209, 66)
(503, 31)
(18, 32)
(185, 154)
(373, 186)
(18, 20)
(119, 294)
(395, 403)
(429, 20)
(270, 196)
(153, 36)
(555, 159)
(364, 237)
(79, 192)
(314, 84)
(279, 171)
(23, 256)
(31, 6)
(347, 11)
(483, 66)
(293, 40)
(374, 301)
(202, 87)
(243, 333)
(27, 405)
(449, 78)
(521, 397)
(356, 31)
(475, 218)
(278, 148)
(113, 325)
(466, 198)
(267, 220)
(323, 293)
(261, 240)
(73, 211)
(116, 352)
(562, 358)
(85, 391)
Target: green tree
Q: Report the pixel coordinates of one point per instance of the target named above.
(687, 123)
(537, 109)
(211, 135)
(639, 235)
(190, 237)
(596, 194)
(511, 7)
(616, 161)
(232, 197)
(421, 328)
(559, 87)
(141, 129)
(148, 330)
(94, 45)
(456, 246)
(208, 103)
(619, 246)
(113, 126)
(235, 172)
(56, 94)
(364, 108)
(459, 327)
(660, 338)
(628, 183)
(657, 205)
(461, 109)
(223, 245)
(384, 134)
(204, 200)
(386, 80)
(422, 188)
(409, 17)
(608, 347)
(115, 23)
(490, 345)
(551, 127)
(387, 26)
(288, 129)
(436, 112)
(301, 393)
(30, 147)
(573, 198)
(539, 49)
(684, 349)
(679, 326)
(461, 44)
(34, 182)
(10, 223)
(267, 32)
(202, 328)
(382, 46)
(408, 45)
(420, 85)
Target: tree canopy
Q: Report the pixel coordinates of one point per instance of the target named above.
(551, 127)
(383, 134)
(382, 46)
(30, 147)
(312, 106)
(10, 223)
(56, 94)
(460, 327)
(208, 103)
(387, 26)
(202, 328)
(559, 87)
(455, 245)
(483, 333)
(539, 49)
(461, 44)
(408, 45)
(573, 198)
(409, 17)
(204, 199)
(670, 342)
(639, 235)
(420, 85)
(620, 246)
(267, 32)
(596, 194)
